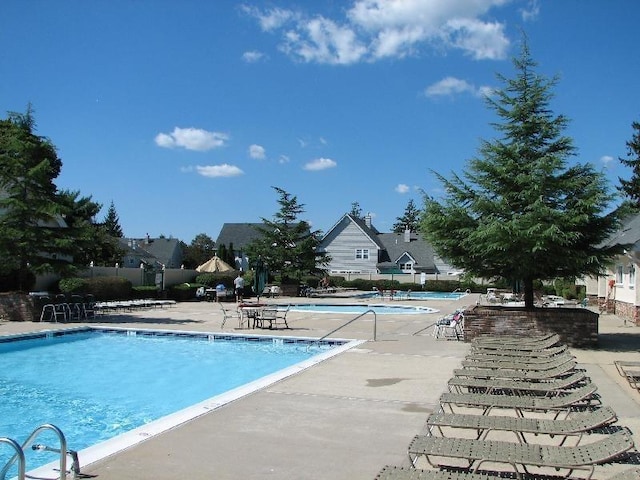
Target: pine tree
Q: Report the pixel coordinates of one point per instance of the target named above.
(112, 222)
(631, 188)
(410, 219)
(31, 214)
(356, 211)
(288, 245)
(519, 212)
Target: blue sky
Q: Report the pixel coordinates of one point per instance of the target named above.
(185, 113)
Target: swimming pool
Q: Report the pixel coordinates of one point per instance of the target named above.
(120, 386)
(410, 295)
(356, 308)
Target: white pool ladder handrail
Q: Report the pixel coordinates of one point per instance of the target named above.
(19, 455)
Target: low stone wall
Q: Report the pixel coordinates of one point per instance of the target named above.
(16, 307)
(577, 327)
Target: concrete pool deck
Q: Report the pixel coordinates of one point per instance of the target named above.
(344, 418)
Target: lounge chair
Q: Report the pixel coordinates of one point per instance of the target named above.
(516, 387)
(402, 473)
(576, 424)
(484, 357)
(629, 370)
(507, 363)
(522, 346)
(517, 373)
(516, 339)
(486, 402)
(544, 353)
(519, 456)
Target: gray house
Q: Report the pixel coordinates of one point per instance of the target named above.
(151, 252)
(239, 235)
(356, 246)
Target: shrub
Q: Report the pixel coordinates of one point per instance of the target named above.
(182, 292)
(109, 288)
(145, 291)
(73, 285)
(9, 281)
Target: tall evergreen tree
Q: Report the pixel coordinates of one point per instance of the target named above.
(29, 207)
(112, 222)
(519, 212)
(287, 245)
(410, 219)
(631, 188)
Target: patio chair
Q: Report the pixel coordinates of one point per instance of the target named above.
(227, 314)
(554, 386)
(487, 402)
(517, 373)
(521, 457)
(575, 425)
(273, 316)
(450, 327)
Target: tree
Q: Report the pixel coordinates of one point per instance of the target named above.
(201, 249)
(631, 188)
(356, 211)
(410, 219)
(112, 222)
(519, 212)
(288, 245)
(30, 212)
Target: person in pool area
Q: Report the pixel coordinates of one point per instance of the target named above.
(238, 283)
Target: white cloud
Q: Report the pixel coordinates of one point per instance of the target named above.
(224, 170)
(320, 164)
(450, 86)
(252, 56)
(376, 29)
(284, 159)
(606, 161)
(257, 151)
(531, 12)
(191, 139)
(402, 188)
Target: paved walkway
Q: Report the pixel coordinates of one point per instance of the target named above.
(344, 418)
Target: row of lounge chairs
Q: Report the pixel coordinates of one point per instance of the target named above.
(544, 418)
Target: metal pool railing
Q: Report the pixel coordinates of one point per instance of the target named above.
(375, 326)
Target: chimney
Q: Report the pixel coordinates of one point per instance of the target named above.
(147, 240)
(407, 235)
(367, 220)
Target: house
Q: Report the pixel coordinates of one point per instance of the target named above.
(618, 291)
(238, 236)
(356, 246)
(151, 252)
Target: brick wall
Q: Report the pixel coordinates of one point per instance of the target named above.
(577, 327)
(17, 307)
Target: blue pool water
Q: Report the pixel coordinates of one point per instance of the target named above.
(406, 295)
(97, 384)
(356, 309)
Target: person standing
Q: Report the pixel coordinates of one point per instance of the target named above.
(238, 283)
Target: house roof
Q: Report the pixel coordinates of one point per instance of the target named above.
(369, 230)
(629, 233)
(239, 234)
(395, 246)
(150, 250)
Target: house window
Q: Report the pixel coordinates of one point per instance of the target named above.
(406, 267)
(362, 254)
(619, 274)
(632, 276)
